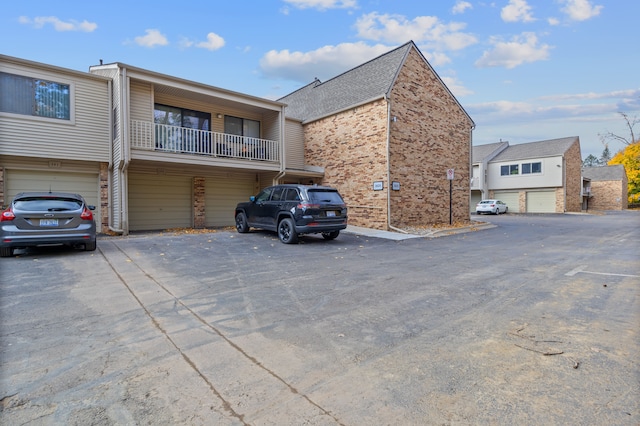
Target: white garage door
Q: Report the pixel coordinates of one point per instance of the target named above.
(222, 195)
(85, 184)
(511, 199)
(159, 202)
(476, 197)
(541, 202)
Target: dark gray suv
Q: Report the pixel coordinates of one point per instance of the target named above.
(293, 210)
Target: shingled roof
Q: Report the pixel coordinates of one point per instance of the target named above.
(481, 152)
(360, 85)
(614, 172)
(548, 148)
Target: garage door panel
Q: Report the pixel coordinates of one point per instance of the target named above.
(159, 202)
(222, 195)
(85, 184)
(511, 199)
(541, 202)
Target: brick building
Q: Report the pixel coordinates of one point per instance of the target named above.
(385, 133)
(607, 187)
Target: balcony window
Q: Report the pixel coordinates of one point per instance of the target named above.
(35, 97)
(181, 118)
(241, 127)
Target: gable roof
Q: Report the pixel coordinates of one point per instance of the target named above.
(548, 148)
(362, 84)
(614, 172)
(487, 152)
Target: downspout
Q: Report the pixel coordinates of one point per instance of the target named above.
(389, 168)
(123, 162)
(283, 168)
(124, 113)
(110, 167)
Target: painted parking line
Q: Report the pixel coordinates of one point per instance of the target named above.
(580, 270)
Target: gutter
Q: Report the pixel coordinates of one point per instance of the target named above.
(389, 169)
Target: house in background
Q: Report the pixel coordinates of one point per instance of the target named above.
(55, 132)
(535, 177)
(606, 189)
(386, 133)
(481, 155)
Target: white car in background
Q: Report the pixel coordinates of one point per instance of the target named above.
(491, 206)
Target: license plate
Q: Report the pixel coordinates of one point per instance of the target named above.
(331, 213)
(48, 222)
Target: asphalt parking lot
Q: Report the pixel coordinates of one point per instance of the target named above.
(532, 321)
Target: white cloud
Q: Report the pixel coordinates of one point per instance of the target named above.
(322, 4)
(553, 21)
(461, 6)
(58, 25)
(214, 42)
(324, 63)
(517, 11)
(580, 10)
(457, 88)
(152, 39)
(422, 30)
(521, 49)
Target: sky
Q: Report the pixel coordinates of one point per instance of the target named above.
(524, 70)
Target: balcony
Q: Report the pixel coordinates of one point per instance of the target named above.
(150, 136)
(475, 183)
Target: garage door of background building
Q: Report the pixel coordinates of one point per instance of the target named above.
(541, 202)
(85, 184)
(159, 202)
(476, 197)
(221, 196)
(511, 199)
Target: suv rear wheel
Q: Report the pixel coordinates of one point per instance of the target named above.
(287, 231)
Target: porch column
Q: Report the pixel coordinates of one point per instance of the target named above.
(199, 211)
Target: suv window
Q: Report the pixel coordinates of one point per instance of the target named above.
(292, 195)
(324, 196)
(278, 194)
(264, 195)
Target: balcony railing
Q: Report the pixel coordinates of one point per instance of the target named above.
(163, 138)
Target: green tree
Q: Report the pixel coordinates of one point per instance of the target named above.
(606, 156)
(630, 159)
(591, 161)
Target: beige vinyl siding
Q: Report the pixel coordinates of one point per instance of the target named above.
(159, 202)
(141, 101)
(541, 202)
(511, 199)
(221, 196)
(85, 184)
(85, 137)
(294, 145)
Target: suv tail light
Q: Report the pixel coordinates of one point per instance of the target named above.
(7, 215)
(86, 214)
(306, 205)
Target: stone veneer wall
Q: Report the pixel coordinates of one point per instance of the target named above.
(573, 173)
(430, 135)
(199, 208)
(608, 195)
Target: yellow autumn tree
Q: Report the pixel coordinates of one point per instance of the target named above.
(630, 159)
